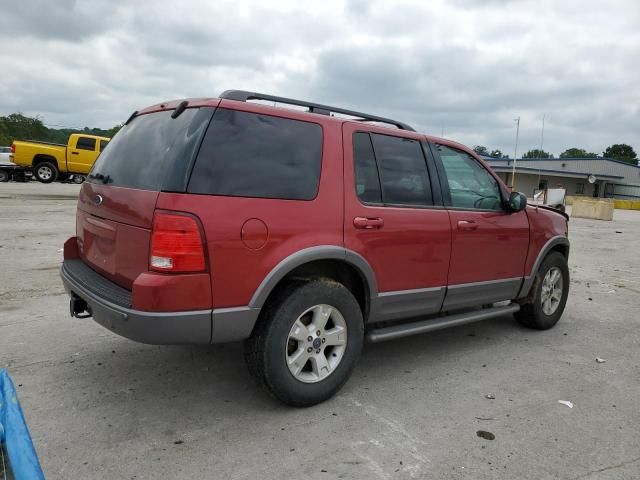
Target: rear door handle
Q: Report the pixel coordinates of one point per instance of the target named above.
(74, 153)
(367, 223)
(467, 225)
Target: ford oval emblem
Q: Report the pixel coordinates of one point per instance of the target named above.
(98, 200)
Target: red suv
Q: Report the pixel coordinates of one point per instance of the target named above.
(302, 230)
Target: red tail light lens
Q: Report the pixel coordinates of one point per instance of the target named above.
(176, 244)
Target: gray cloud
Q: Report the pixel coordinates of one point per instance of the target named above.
(468, 67)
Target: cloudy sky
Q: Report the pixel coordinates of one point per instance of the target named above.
(465, 67)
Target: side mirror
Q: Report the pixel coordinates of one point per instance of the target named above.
(517, 202)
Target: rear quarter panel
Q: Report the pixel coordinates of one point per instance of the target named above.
(236, 270)
(27, 151)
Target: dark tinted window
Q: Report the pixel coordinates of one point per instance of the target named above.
(85, 143)
(251, 155)
(367, 178)
(405, 180)
(470, 184)
(103, 143)
(153, 151)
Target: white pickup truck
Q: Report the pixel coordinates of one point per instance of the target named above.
(9, 170)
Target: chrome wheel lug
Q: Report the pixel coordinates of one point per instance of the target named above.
(309, 338)
(317, 351)
(324, 340)
(309, 350)
(318, 333)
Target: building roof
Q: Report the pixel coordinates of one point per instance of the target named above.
(602, 168)
(562, 173)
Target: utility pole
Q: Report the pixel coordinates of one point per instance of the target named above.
(515, 155)
(541, 145)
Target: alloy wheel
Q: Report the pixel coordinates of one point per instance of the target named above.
(551, 291)
(316, 343)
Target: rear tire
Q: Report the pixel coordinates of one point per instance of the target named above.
(4, 176)
(78, 179)
(548, 295)
(298, 371)
(45, 172)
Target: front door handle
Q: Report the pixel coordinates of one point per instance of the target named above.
(467, 225)
(367, 223)
(75, 153)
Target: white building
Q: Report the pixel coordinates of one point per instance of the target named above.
(613, 178)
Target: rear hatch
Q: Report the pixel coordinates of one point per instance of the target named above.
(153, 152)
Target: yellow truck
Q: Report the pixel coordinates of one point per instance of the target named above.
(50, 161)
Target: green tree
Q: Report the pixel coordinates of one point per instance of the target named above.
(481, 150)
(621, 151)
(113, 130)
(20, 127)
(577, 153)
(496, 154)
(537, 153)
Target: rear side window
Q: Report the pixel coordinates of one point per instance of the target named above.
(367, 178)
(85, 143)
(250, 155)
(103, 143)
(391, 168)
(153, 151)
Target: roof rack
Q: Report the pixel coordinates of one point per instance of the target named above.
(243, 96)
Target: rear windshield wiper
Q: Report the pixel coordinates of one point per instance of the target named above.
(99, 176)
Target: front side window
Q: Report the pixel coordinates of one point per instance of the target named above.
(86, 143)
(470, 184)
(390, 170)
(251, 155)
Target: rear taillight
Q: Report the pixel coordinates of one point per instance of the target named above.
(176, 244)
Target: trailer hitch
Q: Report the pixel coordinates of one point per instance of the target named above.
(78, 307)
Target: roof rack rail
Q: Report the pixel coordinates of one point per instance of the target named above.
(243, 96)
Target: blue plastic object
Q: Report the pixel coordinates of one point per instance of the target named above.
(14, 433)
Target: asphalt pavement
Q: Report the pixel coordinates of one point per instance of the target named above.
(101, 406)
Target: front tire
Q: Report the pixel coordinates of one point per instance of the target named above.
(4, 176)
(307, 342)
(548, 296)
(45, 172)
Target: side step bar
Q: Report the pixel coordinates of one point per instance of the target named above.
(438, 323)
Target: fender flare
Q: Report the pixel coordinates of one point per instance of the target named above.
(321, 252)
(544, 251)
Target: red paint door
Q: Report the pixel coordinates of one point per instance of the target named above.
(488, 243)
(390, 218)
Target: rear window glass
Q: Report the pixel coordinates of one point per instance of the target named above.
(152, 151)
(251, 155)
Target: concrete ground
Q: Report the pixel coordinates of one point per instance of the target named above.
(101, 406)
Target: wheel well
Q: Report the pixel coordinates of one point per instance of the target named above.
(44, 158)
(337, 270)
(563, 249)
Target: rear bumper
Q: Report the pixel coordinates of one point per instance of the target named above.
(110, 306)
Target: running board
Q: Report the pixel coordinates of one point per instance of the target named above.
(423, 326)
